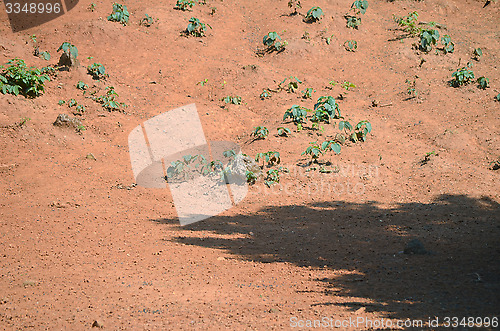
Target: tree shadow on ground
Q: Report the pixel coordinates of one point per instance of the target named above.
(459, 277)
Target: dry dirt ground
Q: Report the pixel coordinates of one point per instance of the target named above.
(79, 243)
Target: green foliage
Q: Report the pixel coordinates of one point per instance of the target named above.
(360, 6)
(271, 158)
(462, 77)
(80, 128)
(295, 4)
(61, 102)
(203, 82)
(196, 28)
(184, 4)
(260, 132)
(230, 153)
(236, 100)
(265, 94)
(70, 50)
(351, 45)
(411, 89)
(92, 6)
(97, 71)
(498, 97)
(79, 109)
(409, 23)
(45, 55)
(120, 14)
(347, 85)
(23, 121)
(449, 46)
(352, 21)
(326, 108)
(307, 93)
(314, 14)
(272, 177)
(361, 130)
(291, 86)
(428, 38)
(72, 103)
(81, 86)
(16, 78)
(147, 21)
(273, 42)
(251, 177)
(483, 82)
(477, 53)
(315, 150)
(297, 114)
(283, 132)
(358, 133)
(108, 100)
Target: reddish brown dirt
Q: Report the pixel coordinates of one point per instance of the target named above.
(76, 247)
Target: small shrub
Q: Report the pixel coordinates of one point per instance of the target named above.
(184, 4)
(273, 42)
(483, 82)
(272, 177)
(251, 177)
(271, 158)
(462, 77)
(361, 130)
(477, 53)
(283, 132)
(16, 78)
(314, 14)
(196, 28)
(260, 132)
(108, 100)
(120, 14)
(45, 55)
(97, 71)
(428, 38)
(351, 45)
(147, 21)
(236, 100)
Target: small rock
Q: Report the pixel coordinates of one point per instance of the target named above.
(64, 120)
(91, 156)
(97, 324)
(415, 246)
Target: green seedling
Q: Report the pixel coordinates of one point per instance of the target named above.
(260, 132)
(120, 14)
(147, 21)
(80, 128)
(108, 100)
(184, 4)
(347, 85)
(359, 6)
(297, 114)
(251, 177)
(236, 100)
(411, 89)
(91, 7)
(97, 71)
(495, 165)
(409, 23)
(23, 121)
(271, 158)
(230, 153)
(295, 5)
(498, 97)
(213, 10)
(272, 177)
(306, 36)
(315, 150)
(61, 102)
(291, 86)
(196, 28)
(72, 103)
(483, 82)
(352, 21)
(265, 94)
(351, 45)
(462, 76)
(449, 46)
(307, 93)
(428, 38)
(81, 86)
(274, 43)
(16, 78)
(326, 108)
(361, 130)
(70, 50)
(283, 132)
(477, 53)
(203, 82)
(45, 55)
(314, 14)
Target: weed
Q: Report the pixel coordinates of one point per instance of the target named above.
(236, 100)
(351, 45)
(120, 14)
(483, 82)
(462, 76)
(147, 21)
(271, 158)
(295, 5)
(91, 7)
(97, 71)
(283, 132)
(297, 114)
(274, 43)
(81, 86)
(291, 86)
(260, 132)
(326, 108)
(203, 82)
(265, 94)
(307, 93)
(314, 14)
(196, 28)
(428, 38)
(108, 100)
(70, 50)
(16, 78)
(184, 4)
(449, 46)
(477, 53)
(23, 121)
(45, 55)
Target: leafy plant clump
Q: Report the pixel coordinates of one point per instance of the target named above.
(273, 42)
(16, 78)
(326, 108)
(358, 133)
(271, 158)
(315, 150)
(307, 93)
(97, 71)
(70, 49)
(147, 21)
(462, 76)
(236, 100)
(483, 82)
(297, 114)
(260, 132)
(358, 7)
(108, 100)
(184, 4)
(477, 53)
(314, 14)
(120, 14)
(291, 86)
(81, 86)
(283, 132)
(273, 176)
(409, 23)
(428, 38)
(351, 45)
(196, 28)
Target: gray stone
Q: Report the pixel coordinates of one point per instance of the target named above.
(415, 246)
(64, 120)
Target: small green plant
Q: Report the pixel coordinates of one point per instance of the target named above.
(251, 177)
(307, 93)
(236, 100)
(449, 46)
(314, 14)
(184, 4)
(108, 100)
(291, 86)
(266, 94)
(203, 82)
(271, 158)
(326, 108)
(72, 103)
(147, 21)
(61, 102)
(498, 97)
(45, 55)
(97, 71)
(411, 89)
(347, 85)
(409, 23)
(297, 114)
(351, 45)
(361, 130)
(23, 121)
(283, 132)
(315, 150)
(483, 82)
(120, 14)
(462, 76)
(81, 86)
(274, 43)
(359, 6)
(272, 177)
(196, 28)
(16, 78)
(260, 132)
(70, 50)
(91, 7)
(477, 53)
(295, 5)
(352, 21)
(428, 38)
(495, 165)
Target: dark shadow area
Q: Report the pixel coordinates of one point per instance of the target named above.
(460, 277)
